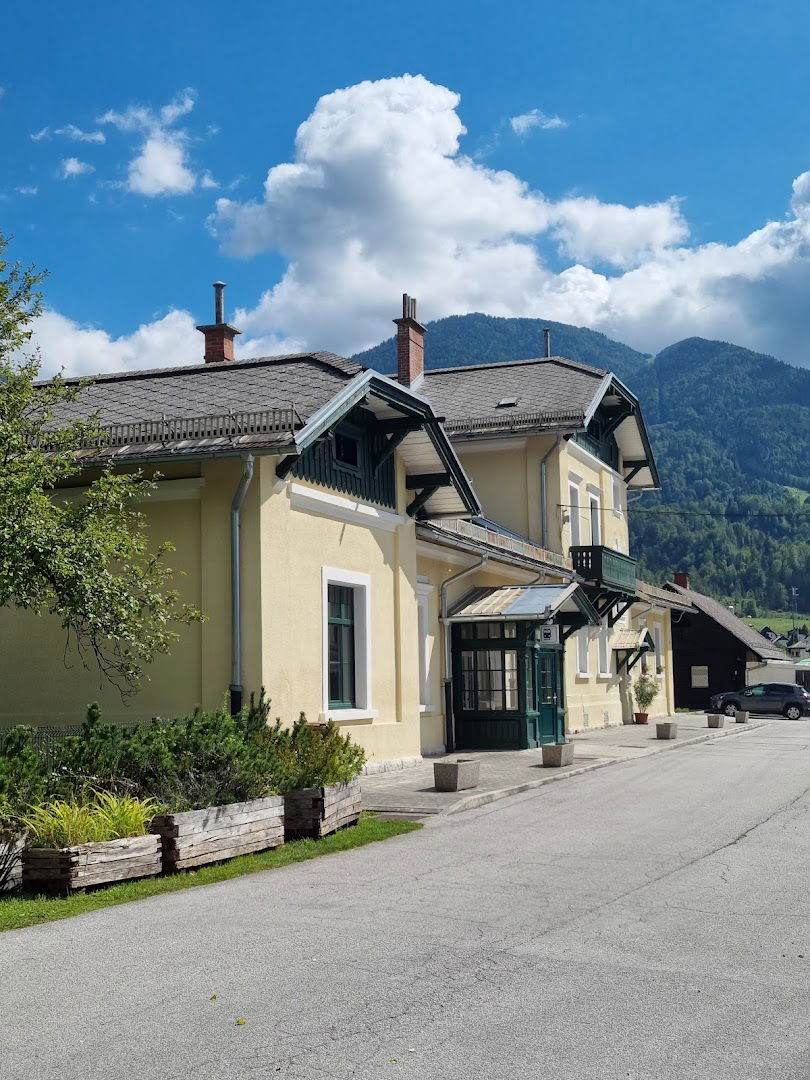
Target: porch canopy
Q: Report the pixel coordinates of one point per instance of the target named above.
(565, 605)
(631, 646)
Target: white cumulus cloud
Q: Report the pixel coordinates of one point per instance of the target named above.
(380, 199)
(536, 118)
(72, 166)
(161, 165)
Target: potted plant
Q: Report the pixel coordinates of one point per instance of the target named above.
(317, 773)
(645, 690)
(75, 843)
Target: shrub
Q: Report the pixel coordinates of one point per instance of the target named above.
(64, 823)
(312, 756)
(25, 777)
(645, 689)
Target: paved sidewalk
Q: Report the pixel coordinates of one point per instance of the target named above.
(508, 772)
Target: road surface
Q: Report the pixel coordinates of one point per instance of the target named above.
(648, 920)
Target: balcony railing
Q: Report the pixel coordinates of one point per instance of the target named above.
(605, 567)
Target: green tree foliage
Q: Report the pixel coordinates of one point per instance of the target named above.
(86, 561)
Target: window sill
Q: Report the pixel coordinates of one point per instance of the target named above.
(604, 676)
(582, 677)
(349, 716)
(427, 708)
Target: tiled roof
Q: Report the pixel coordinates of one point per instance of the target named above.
(720, 614)
(303, 380)
(550, 390)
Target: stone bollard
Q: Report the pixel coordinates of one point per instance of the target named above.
(716, 720)
(456, 775)
(666, 730)
(741, 717)
(555, 755)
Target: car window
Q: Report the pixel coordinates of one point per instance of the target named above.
(755, 691)
(779, 689)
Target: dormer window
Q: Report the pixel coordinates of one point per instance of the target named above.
(507, 403)
(347, 450)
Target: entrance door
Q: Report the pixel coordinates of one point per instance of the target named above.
(548, 702)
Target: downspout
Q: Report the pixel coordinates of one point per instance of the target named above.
(544, 493)
(236, 688)
(447, 675)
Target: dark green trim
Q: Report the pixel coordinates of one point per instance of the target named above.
(371, 479)
(422, 480)
(424, 495)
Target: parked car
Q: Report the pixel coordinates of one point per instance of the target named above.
(784, 699)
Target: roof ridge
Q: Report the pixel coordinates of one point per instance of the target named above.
(563, 361)
(341, 363)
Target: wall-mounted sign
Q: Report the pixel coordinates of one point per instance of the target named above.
(700, 678)
(549, 634)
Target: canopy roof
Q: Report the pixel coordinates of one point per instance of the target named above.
(516, 602)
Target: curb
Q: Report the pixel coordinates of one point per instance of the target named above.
(474, 801)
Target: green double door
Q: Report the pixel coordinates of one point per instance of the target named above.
(544, 702)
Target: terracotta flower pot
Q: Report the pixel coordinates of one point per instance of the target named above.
(642, 717)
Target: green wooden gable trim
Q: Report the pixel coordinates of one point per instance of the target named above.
(351, 458)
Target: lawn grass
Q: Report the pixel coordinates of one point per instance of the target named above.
(779, 621)
(18, 911)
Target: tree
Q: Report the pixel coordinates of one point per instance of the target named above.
(86, 561)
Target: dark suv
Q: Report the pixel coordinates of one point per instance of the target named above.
(784, 699)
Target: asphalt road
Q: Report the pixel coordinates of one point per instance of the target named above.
(646, 920)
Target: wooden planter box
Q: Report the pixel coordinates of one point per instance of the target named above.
(11, 849)
(666, 730)
(197, 837)
(92, 864)
(716, 720)
(318, 811)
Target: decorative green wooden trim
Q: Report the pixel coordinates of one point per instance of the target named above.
(422, 480)
(416, 505)
(370, 480)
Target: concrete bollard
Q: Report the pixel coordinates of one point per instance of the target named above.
(555, 755)
(666, 730)
(741, 717)
(716, 720)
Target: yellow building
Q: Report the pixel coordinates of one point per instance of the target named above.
(424, 583)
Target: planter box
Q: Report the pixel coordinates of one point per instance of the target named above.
(456, 775)
(716, 720)
(318, 811)
(741, 717)
(197, 837)
(555, 755)
(92, 864)
(641, 717)
(666, 730)
(11, 849)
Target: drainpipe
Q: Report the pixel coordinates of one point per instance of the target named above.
(236, 688)
(447, 674)
(544, 493)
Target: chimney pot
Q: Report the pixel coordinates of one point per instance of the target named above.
(547, 338)
(218, 335)
(410, 344)
(682, 579)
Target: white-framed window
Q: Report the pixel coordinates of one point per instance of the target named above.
(423, 591)
(583, 651)
(595, 515)
(618, 497)
(604, 649)
(574, 510)
(346, 645)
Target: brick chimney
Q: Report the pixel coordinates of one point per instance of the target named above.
(682, 579)
(410, 345)
(218, 335)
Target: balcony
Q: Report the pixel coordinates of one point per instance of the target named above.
(606, 568)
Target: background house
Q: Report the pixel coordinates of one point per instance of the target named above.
(714, 651)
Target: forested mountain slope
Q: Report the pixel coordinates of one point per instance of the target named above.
(731, 432)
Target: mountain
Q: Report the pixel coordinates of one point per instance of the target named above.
(484, 339)
(731, 432)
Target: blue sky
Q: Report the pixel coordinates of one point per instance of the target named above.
(633, 167)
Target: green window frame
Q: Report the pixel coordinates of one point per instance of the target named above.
(341, 623)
